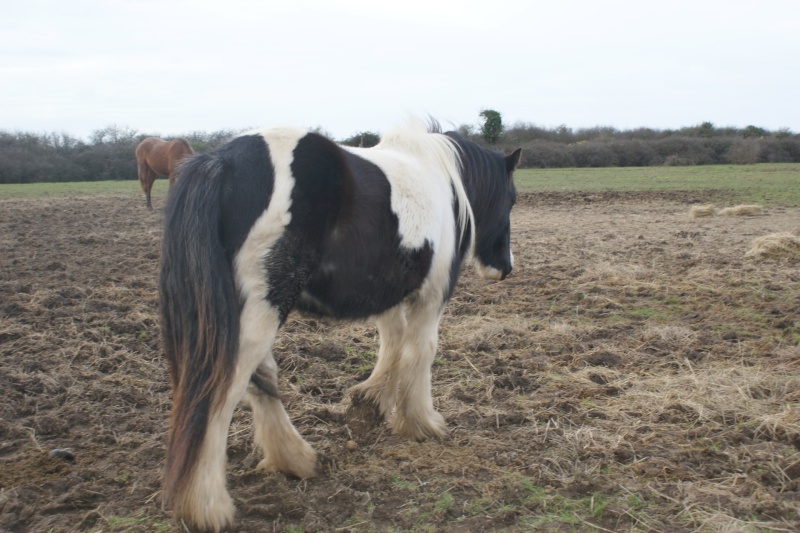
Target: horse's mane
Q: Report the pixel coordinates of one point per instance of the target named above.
(478, 164)
(426, 141)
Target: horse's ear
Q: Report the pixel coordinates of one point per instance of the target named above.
(512, 161)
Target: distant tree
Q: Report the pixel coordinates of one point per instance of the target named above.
(754, 131)
(114, 134)
(492, 126)
(364, 139)
(201, 141)
(466, 130)
(706, 129)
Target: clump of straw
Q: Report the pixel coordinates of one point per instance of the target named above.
(741, 210)
(702, 211)
(775, 246)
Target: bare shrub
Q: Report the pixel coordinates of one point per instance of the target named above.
(745, 152)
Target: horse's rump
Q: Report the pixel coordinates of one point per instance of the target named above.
(162, 156)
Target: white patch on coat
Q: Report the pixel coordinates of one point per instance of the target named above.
(489, 272)
(249, 262)
(283, 447)
(423, 171)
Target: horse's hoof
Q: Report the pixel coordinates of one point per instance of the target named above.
(363, 415)
(431, 426)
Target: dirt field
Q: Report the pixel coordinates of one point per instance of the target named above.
(636, 372)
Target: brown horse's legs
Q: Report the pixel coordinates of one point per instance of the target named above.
(146, 178)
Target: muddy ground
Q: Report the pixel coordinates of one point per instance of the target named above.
(636, 372)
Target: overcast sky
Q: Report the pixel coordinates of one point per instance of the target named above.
(174, 66)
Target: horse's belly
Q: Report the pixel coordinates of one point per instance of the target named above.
(345, 288)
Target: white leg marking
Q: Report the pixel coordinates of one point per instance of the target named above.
(381, 386)
(206, 502)
(415, 416)
(283, 447)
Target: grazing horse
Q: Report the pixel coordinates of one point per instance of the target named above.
(286, 219)
(156, 157)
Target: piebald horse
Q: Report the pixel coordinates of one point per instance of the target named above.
(156, 157)
(285, 219)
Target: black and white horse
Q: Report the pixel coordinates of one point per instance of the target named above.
(286, 219)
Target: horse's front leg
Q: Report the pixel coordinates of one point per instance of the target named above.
(374, 399)
(415, 416)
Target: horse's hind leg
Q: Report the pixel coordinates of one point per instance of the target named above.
(206, 502)
(375, 398)
(415, 416)
(146, 179)
(283, 448)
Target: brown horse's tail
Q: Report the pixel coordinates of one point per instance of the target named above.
(140, 171)
(186, 144)
(199, 313)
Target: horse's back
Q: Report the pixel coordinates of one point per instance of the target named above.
(146, 146)
(160, 155)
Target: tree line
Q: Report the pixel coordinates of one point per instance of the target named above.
(108, 154)
(704, 144)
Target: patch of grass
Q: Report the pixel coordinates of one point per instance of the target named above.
(128, 523)
(80, 188)
(647, 313)
(402, 484)
(478, 506)
(445, 502)
(548, 508)
(767, 183)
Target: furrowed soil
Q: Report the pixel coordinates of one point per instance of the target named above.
(635, 372)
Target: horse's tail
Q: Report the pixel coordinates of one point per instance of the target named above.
(140, 164)
(199, 312)
(185, 144)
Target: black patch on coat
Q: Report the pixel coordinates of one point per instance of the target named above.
(319, 195)
(248, 181)
(363, 270)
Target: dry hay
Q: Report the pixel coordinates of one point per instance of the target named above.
(702, 211)
(741, 210)
(775, 246)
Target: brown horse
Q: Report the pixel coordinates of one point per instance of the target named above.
(156, 157)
